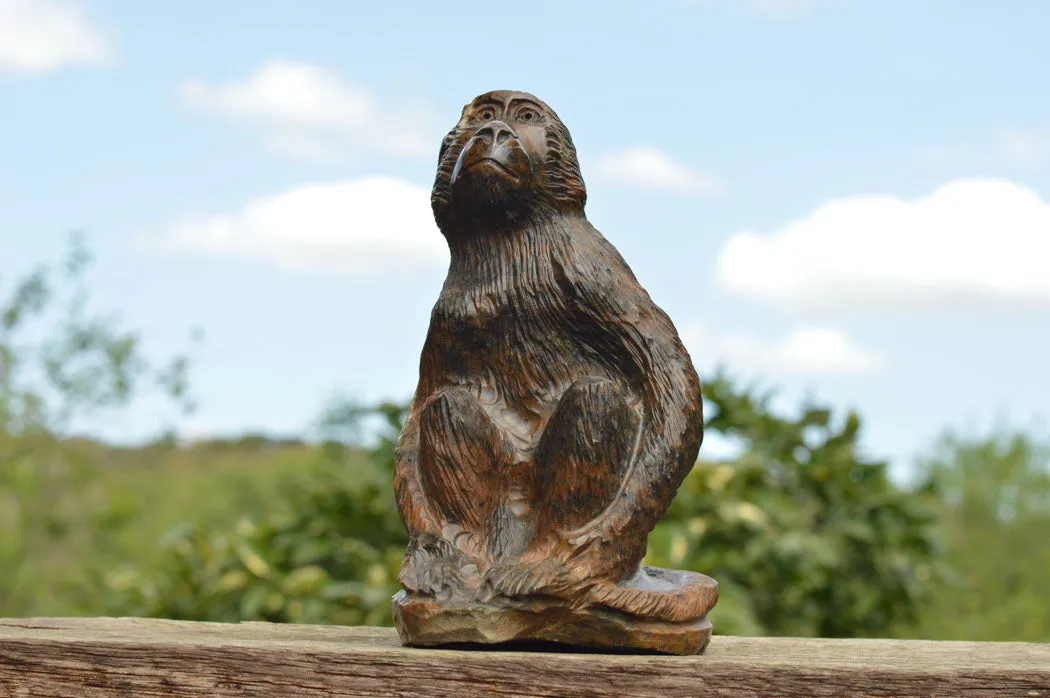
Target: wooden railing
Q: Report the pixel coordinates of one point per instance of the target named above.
(91, 657)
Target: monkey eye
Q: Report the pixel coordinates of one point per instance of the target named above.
(485, 114)
(528, 115)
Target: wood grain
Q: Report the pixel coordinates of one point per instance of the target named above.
(92, 657)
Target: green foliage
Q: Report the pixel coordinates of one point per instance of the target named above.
(996, 517)
(119, 506)
(805, 536)
(57, 363)
(329, 553)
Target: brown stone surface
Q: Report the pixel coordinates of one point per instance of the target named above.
(556, 414)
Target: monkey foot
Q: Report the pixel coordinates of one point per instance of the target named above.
(656, 611)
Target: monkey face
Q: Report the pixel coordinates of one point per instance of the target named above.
(503, 146)
(509, 155)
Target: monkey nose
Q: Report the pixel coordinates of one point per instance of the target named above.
(495, 133)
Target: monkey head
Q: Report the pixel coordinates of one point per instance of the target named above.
(509, 158)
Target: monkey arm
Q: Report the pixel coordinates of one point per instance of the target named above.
(638, 341)
(408, 491)
(432, 564)
(671, 432)
(656, 363)
(412, 502)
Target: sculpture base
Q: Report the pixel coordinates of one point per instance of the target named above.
(428, 622)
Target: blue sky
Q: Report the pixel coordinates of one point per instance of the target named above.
(843, 198)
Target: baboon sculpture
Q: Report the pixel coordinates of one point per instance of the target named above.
(557, 412)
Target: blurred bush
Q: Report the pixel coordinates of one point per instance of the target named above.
(804, 536)
(59, 363)
(995, 513)
(328, 553)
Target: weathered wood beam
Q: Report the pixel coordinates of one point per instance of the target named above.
(89, 657)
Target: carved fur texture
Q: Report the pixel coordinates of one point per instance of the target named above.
(557, 411)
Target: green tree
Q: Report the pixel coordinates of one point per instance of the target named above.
(329, 552)
(995, 510)
(58, 363)
(805, 536)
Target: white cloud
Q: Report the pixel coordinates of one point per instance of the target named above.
(41, 35)
(970, 241)
(651, 168)
(308, 113)
(368, 227)
(807, 350)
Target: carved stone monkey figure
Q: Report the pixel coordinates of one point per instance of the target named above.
(556, 415)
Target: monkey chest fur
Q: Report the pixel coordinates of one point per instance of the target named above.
(517, 347)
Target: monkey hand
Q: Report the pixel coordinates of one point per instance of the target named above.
(435, 567)
(525, 577)
(567, 570)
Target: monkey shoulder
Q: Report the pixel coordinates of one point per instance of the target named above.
(603, 283)
(597, 279)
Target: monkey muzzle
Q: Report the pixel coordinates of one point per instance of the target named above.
(493, 151)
